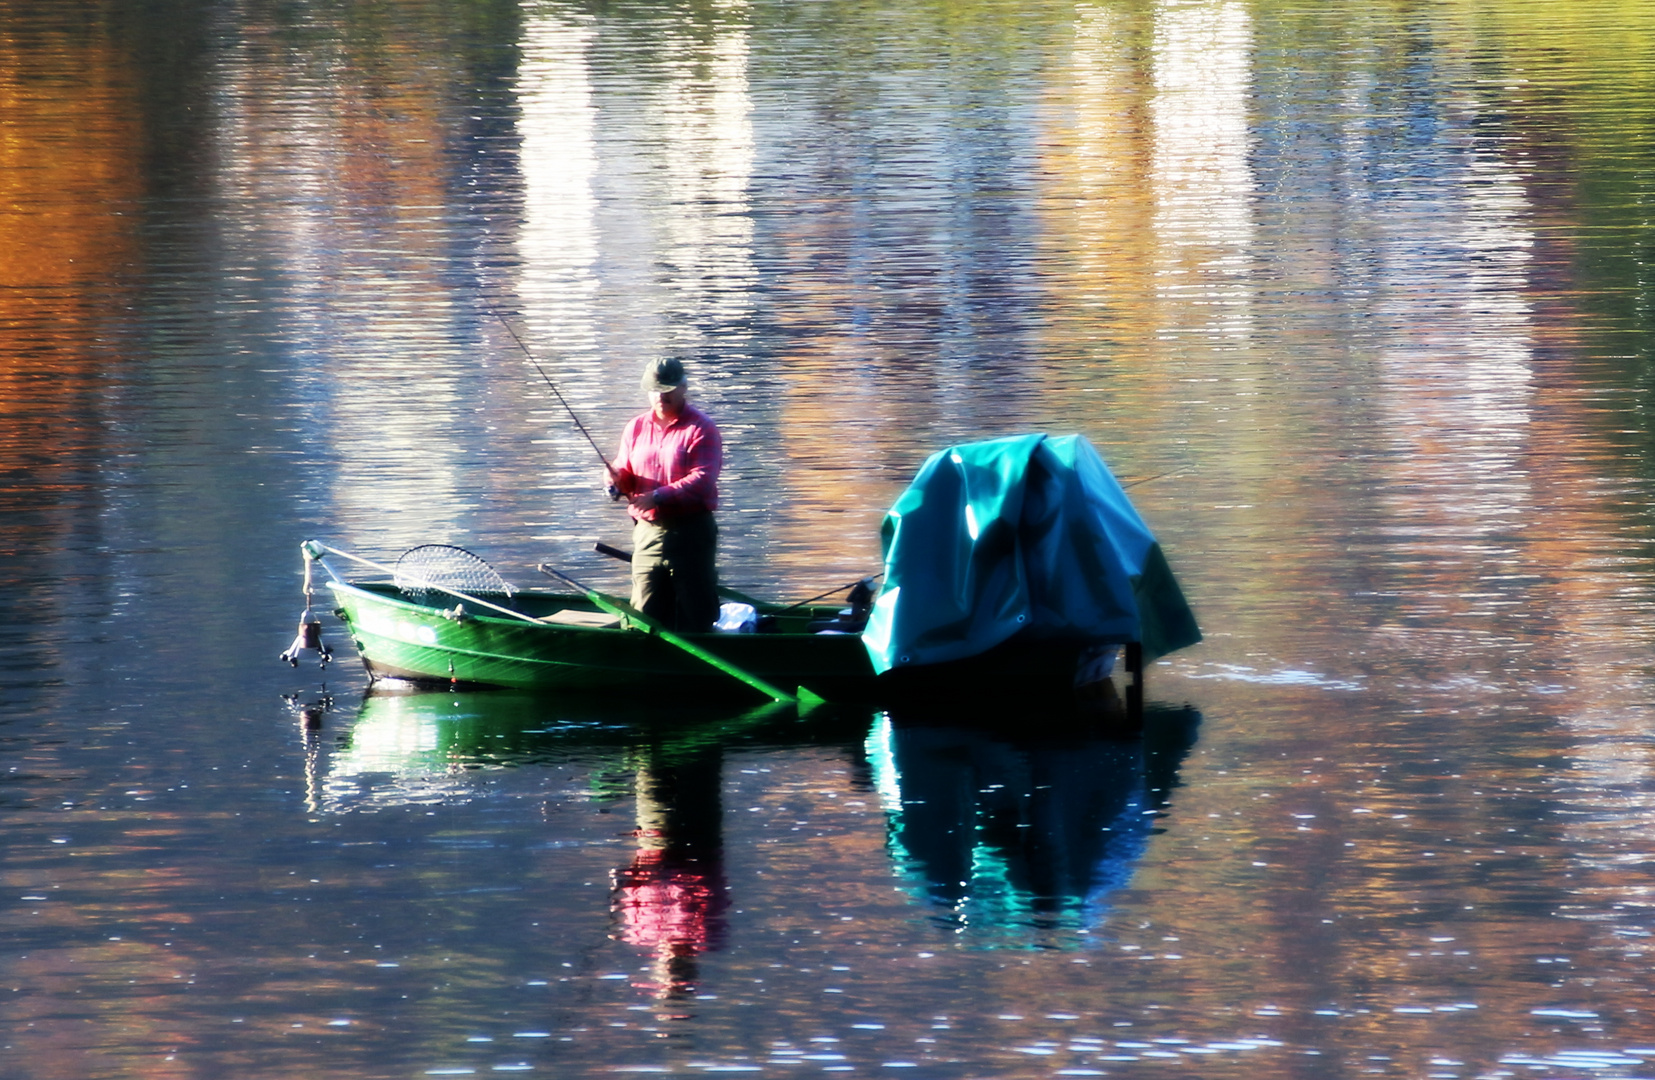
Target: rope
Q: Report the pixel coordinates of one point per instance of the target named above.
(309, 591)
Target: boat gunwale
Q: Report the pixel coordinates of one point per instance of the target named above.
(801, 613)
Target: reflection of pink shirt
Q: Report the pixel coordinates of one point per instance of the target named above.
(662, 903)
(678, 461)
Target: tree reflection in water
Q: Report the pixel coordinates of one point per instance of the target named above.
(1018, 837)
(672, 897)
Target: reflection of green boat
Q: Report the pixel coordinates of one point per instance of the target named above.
(412, 748)
(424, 731)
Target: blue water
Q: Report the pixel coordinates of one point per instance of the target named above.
(1357, 300)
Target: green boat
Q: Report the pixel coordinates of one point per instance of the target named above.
(568, 642)
(1015, 567)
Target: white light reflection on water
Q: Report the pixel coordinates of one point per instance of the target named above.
(707, 154)
(557, 240)
(1279, 677)
(556, 282)
(1199, 170)
(397, 755)
(1097, 156)
(1456, 365)
(653, 216)
(334, 265)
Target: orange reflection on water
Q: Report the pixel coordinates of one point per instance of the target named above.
(1146, 227)
(69, 166)
(70, 179)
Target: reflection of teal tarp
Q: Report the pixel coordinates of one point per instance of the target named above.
(1027, 534)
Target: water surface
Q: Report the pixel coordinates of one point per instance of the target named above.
(1357, 300)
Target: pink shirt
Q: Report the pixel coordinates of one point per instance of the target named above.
(679, 461)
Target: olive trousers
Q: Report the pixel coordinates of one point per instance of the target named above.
(674, 579)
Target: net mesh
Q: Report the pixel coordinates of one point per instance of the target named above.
(444, 566)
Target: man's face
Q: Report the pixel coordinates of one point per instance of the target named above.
(667, 403)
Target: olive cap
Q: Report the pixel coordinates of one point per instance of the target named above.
(663, 375)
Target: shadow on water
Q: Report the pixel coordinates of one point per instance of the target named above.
(1016, 834)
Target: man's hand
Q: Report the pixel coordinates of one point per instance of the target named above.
(646, 501)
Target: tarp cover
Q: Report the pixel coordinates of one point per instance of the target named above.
(1028, 535)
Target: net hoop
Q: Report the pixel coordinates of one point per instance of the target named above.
(420, 570)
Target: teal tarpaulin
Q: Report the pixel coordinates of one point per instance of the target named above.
(1024, 535)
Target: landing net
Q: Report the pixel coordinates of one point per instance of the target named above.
(442, 566)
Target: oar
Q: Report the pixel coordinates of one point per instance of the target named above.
(613, 552)
(631, 616)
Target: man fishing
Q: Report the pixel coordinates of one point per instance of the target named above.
(667, 468)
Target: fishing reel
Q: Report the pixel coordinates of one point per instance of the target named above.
(861, 598)
(852, 619)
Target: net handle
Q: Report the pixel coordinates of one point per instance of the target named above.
(313, 550)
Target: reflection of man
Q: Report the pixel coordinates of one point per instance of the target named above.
(668, 468)
(672, 897)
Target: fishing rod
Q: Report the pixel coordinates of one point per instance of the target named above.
(1157, 476)
(555, 391)
(866, 583)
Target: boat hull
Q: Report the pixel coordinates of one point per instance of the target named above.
(398, 638)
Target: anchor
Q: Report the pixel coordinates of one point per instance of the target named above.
(309, 637)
